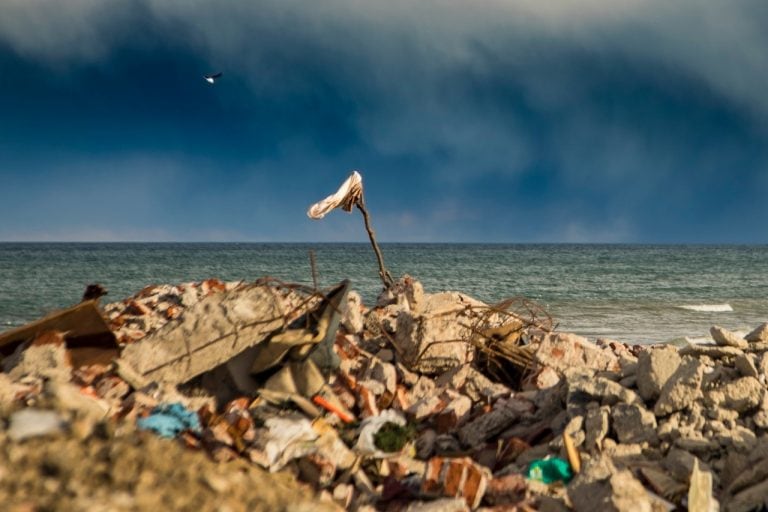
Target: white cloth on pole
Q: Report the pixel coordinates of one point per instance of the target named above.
(348, 194)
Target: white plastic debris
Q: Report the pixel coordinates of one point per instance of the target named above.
(28, 423)
(370, 426)
(288, 439)
(348, 194)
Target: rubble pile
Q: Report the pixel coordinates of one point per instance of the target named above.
(422, 402)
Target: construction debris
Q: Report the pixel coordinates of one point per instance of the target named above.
(425, 401)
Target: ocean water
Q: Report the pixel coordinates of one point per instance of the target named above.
(632, 293)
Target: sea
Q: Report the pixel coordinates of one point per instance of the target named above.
(631, 293)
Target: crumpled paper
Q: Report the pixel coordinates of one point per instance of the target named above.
(348, 194)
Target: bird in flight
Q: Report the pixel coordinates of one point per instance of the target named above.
(212, 78)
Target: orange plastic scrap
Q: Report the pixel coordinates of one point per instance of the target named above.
(328, 406)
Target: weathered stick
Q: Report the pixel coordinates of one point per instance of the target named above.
(386, 277)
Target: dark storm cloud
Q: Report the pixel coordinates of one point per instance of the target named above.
(499, 120)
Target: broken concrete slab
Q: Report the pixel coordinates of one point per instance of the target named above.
(563, 350)
(738, 395)
(596, 426)
(436, 338)
(654, 367)
(726, 338)
(633, 423)
(601, 486)
(682, 389)
(210, 333)
(759, 334)
(745, 363)
(494, 422)
(584, 387)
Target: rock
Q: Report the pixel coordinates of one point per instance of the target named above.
(47, 356)
(584, 388)
(726, 338)
(761, 416)
(746, 366)
(760, 333)
(596, 426)
(601, 486)
(750, 499)
(352, 319)
(713, 351)
(739, 395)
(436, 338)
(682, 389)
(633, 424)
(455, 414)
(679, 463)
(563, 350)
(654, 367)
(488, 425)
(425, 444)
(472, 383)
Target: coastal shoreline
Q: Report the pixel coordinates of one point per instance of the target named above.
(632, 424)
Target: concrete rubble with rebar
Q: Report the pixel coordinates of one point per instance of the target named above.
(429, 401)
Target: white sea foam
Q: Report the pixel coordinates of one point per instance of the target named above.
(711, 308)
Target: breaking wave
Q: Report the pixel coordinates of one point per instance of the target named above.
(713, 308)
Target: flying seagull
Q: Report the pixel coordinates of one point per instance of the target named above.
(212, 78)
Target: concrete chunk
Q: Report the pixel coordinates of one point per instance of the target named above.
(682, 389)
(654, 367)
(727, 338)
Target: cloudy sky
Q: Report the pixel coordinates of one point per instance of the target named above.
(475, 121)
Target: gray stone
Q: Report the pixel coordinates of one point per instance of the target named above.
(472, 383)
(488, 425)
(436, 338)
(713, 351)
(760, 333)
(726, 338)
(634, 424)
(738, 438)
(601, 486)
(746, 366)
(564, 350)
(739, 395)
(654, 367)
(596, 426)
(679, 464)
(761, 416)
(583, 388)
(211, 332)
(682, 389)
(750, 499)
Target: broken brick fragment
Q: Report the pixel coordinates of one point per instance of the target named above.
(456, 478)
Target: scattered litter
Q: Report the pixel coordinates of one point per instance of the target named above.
(27, 423)
(553, 469)
(170, 420)
(462, 404)
(388, 428)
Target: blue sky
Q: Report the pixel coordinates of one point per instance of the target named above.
(475, 121)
